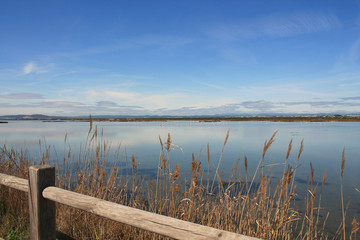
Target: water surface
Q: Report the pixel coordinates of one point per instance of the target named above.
(323, 146)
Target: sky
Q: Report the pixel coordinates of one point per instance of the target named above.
(179, 57)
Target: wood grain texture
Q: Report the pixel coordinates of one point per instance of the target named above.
(166, 226)
(42, 211)
(14, 182)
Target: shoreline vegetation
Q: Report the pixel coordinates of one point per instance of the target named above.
(252, 203)
(300, 118)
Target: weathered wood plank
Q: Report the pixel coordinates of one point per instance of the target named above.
(14, 182)
(42, 211)
(152, 222)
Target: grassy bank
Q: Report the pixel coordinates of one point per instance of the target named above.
(252, 204)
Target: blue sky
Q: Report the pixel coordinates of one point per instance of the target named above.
(179, 57)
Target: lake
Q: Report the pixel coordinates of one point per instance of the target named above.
(323, 146)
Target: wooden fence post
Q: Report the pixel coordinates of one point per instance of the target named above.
(42, 211)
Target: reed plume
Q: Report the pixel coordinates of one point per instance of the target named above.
(342, 193)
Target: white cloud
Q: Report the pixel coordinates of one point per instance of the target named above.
(29, 68)
(33, 67)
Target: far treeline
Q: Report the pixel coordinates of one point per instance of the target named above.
(294, 118)
(333, 118)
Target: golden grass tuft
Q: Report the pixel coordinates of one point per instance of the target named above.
(355, 227)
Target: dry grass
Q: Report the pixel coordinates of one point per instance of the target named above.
(257, 208)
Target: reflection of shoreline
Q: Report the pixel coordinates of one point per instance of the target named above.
(55, 121)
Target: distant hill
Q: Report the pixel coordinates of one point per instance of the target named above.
(232, 117)
(29, 117)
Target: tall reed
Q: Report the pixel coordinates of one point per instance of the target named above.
(257, 207)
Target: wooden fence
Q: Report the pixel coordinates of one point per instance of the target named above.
(43, 195)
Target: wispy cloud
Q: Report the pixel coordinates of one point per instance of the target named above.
(276, 26)
(297, 24)
(353, 84)
(351, 98)
(349, 58)
(355, 51)
(260, 105)
(111, 104)
(317, 104)
(211, 85)
(64, 92)
(150, 101)
(166, 100)
(107, 104)
(96, 94)
(45, 104)
(121, 95)
(323, 104)
(284, 90)
(162, 41)
(33, 67)
(73, 108)
(22, 96)
(60, 104)
(29, 68)
(129, 76)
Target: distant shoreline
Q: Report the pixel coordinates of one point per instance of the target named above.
(325, 118)
(219, 119)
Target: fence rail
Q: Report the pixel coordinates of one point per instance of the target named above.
(43, 195)
(14, 182)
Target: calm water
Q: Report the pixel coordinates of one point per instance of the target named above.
(323, 145)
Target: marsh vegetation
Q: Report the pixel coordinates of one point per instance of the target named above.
(255, 203)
